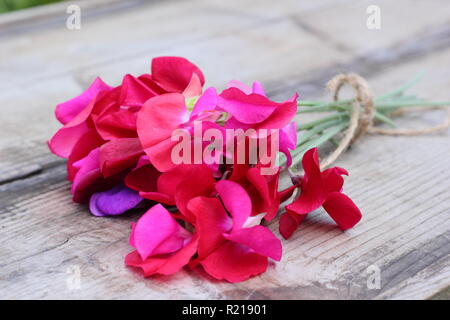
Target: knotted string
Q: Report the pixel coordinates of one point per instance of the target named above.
(362, 113)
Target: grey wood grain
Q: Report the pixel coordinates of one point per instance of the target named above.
(401, 184)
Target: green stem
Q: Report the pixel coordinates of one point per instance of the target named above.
(304, 137)
(395, 105)
(317, 142)
(309, 125)
(315, 133)
(402, 88)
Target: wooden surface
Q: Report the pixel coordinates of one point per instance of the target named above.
(401, 184)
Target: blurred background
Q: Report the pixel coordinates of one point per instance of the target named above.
(11, 5)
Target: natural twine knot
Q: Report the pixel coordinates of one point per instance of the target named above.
(362, 113)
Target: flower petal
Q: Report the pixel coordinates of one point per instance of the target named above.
(288, 141)
(89, 141)
(198, 182)
(157, 232)
(239, 85)
(289, 222)
(156, 121)
(114, 201)
(119, 154)
(313, 193)
(63, 142)
(65, 139)
(134, 92)
(211, 221)
(342, 210)
(173, 74)
(262, 198)
(144, 177)
(332, 179)
(236, 201)
(117, 123)
(258, 88)
(168, 182)
(206, 102)
(248, 109)
(194, 87)
(66, 111)
(259, 239)
(163, 264)
(87, 175)
(234, 262)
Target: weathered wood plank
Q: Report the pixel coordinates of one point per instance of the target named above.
(399, 20)
(401, 184)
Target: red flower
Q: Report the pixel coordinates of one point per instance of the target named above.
(263, 189)
(232, 246)
(320, 189)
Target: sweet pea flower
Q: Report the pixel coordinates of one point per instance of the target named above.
(162, 245)
(320, 189)
(104, 118)
(229, 248)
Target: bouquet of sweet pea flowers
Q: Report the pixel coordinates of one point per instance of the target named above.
(204, 166)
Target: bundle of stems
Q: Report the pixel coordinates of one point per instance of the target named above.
(325, 129)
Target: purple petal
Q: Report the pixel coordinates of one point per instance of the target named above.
(114, 201)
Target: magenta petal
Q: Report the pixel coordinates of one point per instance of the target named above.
(66, 111)
(87, 173)
(258, 238)
(206, 102)
(114, 201)
(164, 264)
(288, 141)
(174, 74)
(157, 232)
(248, 109)
(63, 142)
(236, 200)
(239, 85)
(258, 88)
(134, 92)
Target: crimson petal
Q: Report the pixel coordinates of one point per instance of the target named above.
(342, 210)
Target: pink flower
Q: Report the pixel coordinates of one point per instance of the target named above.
(104, 119)
(320, 189)
(162, 245)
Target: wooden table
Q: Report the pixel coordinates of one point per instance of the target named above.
(402, 185)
